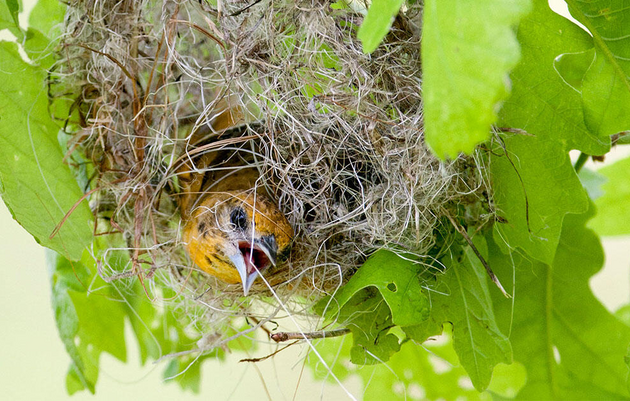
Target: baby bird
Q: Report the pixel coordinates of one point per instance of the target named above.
(233, 230)
(236, 236)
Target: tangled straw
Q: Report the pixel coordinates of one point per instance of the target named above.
(337, 136)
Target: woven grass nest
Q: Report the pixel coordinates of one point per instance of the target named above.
(337, 136)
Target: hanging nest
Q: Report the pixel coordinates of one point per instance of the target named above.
(336, 135)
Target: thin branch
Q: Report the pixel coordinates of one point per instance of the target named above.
(242, 10)
(285, 336)
(270, 355)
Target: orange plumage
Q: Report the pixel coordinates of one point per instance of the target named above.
(233, 230)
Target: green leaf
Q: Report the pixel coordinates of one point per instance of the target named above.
(582, 330)
(397, 280)
(377, 23)
(613, 208)
(88, 324)
(606, 86)
(468, 49)
(14, 7)
(606, 96)
(157, 328)
(46, 15)
(623, 138)
(384, 292)
(428, 372)
(541, 102)
(186, 371)
(35, 184)
(369, 319)
(571, 346)
(334, 352)
(572, 67)
(623, 314)
(462, 298)
(92, 322)
(9, 12)
(535, 186)
(38, 48)
(507, 380)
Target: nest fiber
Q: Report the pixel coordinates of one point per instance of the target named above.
(336, 135)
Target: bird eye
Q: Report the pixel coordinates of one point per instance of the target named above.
(239, 218)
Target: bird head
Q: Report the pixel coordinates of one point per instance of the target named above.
(236, 236)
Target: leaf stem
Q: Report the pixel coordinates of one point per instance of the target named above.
(579, 163)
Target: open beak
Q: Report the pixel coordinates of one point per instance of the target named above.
(254, 258)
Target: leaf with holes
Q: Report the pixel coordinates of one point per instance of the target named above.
(397, 280)
(384, 292)
(370, 320)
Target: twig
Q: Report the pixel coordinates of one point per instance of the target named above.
(270, 355)
(234, 14)
(284, 336)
